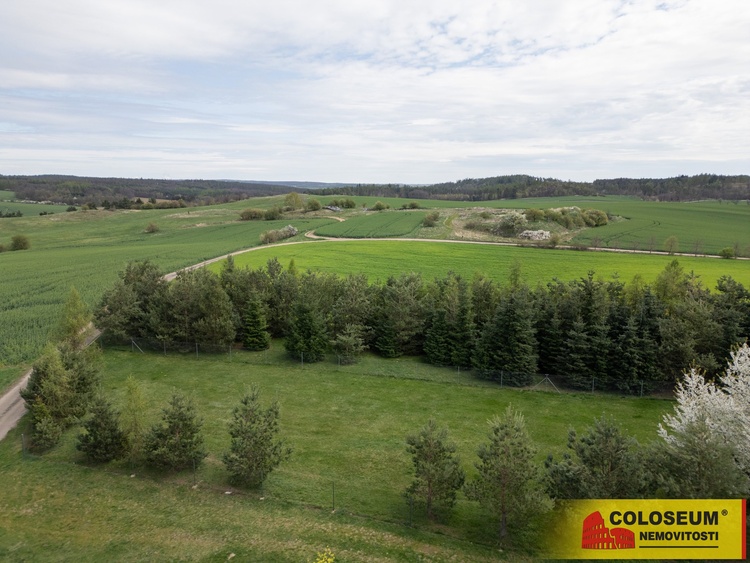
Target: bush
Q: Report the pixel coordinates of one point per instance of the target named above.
(252, 214)
(272, 214)
(510, 225)
(152, 228)
(313, 205)
(268, 237)
(534, 215)
(379, 206)
(20, 242)
(71, 208)
(727, 253)
(347, 203)
(431, 219)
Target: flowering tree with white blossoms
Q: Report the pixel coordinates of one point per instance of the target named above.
(724, 409)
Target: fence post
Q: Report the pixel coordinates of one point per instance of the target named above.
(641, 388)
(501, 379)
(593, 379)
(196, 349)
(23, 444)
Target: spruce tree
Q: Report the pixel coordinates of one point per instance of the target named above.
(256, 335)
(176, 443)
(307, 338)
(103, 439)
(255, 452)
(508, 342)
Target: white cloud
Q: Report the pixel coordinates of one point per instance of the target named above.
(415, 90)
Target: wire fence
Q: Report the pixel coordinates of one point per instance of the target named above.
(397, 369)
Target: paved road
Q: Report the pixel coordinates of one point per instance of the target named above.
(12, 407)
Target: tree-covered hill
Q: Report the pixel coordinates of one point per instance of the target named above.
(76, 190)
(680, 188)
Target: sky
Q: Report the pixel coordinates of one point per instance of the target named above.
(374, 91)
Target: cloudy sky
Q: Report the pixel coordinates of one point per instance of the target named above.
(413, 91)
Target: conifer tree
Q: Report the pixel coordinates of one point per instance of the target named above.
(307, 335)
(256, 335)
(508, 342)
(437, 469)
(255, 451)
(176, 442)
(509, 484)
(103, 440)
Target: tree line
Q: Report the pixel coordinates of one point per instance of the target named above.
(629, 338)
(679, 188)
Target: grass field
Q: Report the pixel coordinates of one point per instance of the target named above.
(347, 426)
(380, 259)
(393, 224)
(87, 249)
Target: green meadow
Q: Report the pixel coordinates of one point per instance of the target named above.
(381, 259)
(347, 425)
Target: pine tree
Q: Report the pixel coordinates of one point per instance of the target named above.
(437, 469)
(602, 463)
(176, 443)
(255, 452)
(509, 484)
(256, 333)
(103, 439)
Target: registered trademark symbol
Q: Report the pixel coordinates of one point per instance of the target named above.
(724, 512)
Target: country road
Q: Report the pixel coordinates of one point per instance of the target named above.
(12, 407)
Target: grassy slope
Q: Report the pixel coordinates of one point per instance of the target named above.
(347, 426)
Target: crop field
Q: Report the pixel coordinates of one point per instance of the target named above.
(88, 249)
(381, 259)
(347, 426)
(382, 224)
(703, 227)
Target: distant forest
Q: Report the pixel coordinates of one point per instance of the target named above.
(73, 190)
(681, 188)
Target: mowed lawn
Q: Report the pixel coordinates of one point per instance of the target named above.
(347, 426)
(381, 259)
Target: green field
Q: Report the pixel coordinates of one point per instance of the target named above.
(88, 249)
(705, 226)
(347, 426)
(380, 259)
(382, 224)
